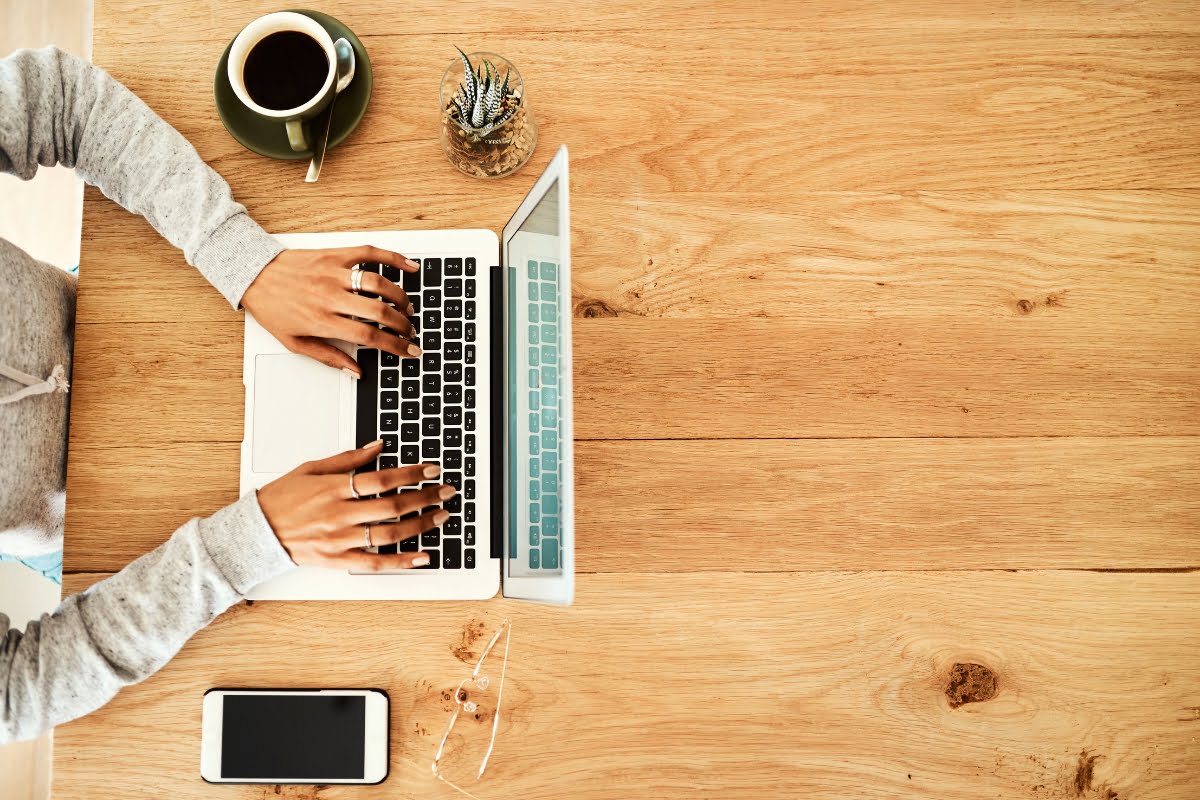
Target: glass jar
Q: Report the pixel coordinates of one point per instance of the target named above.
(487, 152)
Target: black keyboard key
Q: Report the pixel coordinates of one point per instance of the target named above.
(470, 448)
(470, 335)
(452, 526)
(432, 384)
(411, 368)
(470, 354)
(412, 282)
(388, 401)
(431, 340)
(430, 449)
(470, 423)
(453, 309)
(391, 273)
(432, 320)
(469, 559)
(470, 398)
(431, 426)
(431, 299)
(453, 330)
(389, 422)
(469, 512)
(452, 554)
(410, 409)
(409, 545)
(453, 373)
(452, 393)
(414, 300)
(469, 492)
(431, 362)
(470, 376)
(366, 412)
(453, 287)
(453, 267)
(469, 538)
(387, 549)
(432, 274)
(390, 443)
(431, 405)
(370, 267)
(452, 437)
(452, 479)
(453, 415)
(416, 327)
(410, 454)
(410, 432)
(470, 469)
(434, 560)
(389, 378)
(431, 538)
(388, 462)
(470, 266)
(470, 312)
(454, 351)
(451, 459)
(410, 390)
(470, 288)
(389, 359)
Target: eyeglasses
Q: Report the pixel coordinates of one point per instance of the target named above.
(476, 682)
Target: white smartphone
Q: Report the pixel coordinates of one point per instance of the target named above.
(294, 736)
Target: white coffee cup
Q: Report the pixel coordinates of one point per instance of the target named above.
(292, 118)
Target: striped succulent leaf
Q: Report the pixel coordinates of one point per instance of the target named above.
(480, 100)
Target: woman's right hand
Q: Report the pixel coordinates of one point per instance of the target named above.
(320, 524)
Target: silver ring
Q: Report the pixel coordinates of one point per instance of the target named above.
(368, 535)
(354, 492)
(356, 274)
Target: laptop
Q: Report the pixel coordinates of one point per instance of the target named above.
(489, 400)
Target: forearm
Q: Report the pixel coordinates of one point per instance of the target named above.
(125, 628)
(57, 109)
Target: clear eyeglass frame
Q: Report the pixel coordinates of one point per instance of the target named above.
(462, 704)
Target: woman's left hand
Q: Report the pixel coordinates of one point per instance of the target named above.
(303, 297)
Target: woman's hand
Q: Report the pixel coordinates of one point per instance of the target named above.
(304, 296)
(320, 524)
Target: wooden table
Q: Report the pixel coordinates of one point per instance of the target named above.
(886, 362)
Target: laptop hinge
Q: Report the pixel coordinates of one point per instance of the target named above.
(499, 380)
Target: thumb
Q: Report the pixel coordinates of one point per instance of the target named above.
(345, 462)
(324, 352)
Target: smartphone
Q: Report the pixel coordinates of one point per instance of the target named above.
(294, 736)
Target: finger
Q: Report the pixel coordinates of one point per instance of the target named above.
(385, 480)
(368, 335)
(324, 352)
(345, 462)
(377, 284)
(372, 562)
(390, 532)
(353, 305)
(379, 509)
(366, 254)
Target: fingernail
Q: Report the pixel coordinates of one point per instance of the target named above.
(350, 372)
(432, 471)
(411, 310)
(375, 443)
(420, 561)
(412, 263)
(446, 492)
(441, 517)
(413, 350)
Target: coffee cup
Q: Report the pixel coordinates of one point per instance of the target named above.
(283, 67)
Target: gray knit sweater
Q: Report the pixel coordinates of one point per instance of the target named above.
(56, 109)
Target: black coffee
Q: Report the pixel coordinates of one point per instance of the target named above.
(285, 70)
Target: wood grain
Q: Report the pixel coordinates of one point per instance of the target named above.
(821, 685)
(769, 505)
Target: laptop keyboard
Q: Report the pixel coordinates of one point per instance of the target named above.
(424, 408)
(545, 411)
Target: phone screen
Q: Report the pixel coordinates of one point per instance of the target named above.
(293, 737)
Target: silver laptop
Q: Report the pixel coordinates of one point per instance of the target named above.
(489, 400)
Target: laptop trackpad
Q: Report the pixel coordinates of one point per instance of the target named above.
(295, 411)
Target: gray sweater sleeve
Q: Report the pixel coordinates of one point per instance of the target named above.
(126, 627)
(58, 109)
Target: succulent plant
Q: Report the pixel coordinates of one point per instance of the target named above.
(483, 101)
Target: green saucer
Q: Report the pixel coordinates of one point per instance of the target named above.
(270, 138)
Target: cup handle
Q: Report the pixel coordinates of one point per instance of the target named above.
(296, 136)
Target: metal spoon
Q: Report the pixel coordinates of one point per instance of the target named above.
(345, 74)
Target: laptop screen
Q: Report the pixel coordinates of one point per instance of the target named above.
(537, 297)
